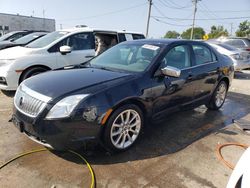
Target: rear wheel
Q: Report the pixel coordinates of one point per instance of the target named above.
(32, 72)
(123, 128)
(218, 97)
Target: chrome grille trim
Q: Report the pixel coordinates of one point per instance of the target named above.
(29, 102)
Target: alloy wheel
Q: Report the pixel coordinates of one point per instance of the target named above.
(220, 95)
(125, 129)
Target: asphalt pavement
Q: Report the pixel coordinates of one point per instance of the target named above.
(178, 152)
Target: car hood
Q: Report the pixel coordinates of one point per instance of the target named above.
(55, 84)
(15, 52)
(8, 45)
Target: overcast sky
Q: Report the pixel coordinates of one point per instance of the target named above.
(132, 14)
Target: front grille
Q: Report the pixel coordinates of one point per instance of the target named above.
(29, 102)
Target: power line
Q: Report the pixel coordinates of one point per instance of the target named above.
(183, 19)
(158, 20)
(179, 6)
(164, 3)
(222, 11)
(164, 16)
(207, 10)
(107, 13)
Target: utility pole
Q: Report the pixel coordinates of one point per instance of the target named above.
(43, 19)
(231, 29)
(149, 13)
(195, 9)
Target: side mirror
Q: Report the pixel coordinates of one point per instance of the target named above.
(65, 50)
(171, 71)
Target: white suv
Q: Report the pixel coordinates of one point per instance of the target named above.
(55, 50)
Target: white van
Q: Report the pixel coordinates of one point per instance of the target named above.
(56, 50)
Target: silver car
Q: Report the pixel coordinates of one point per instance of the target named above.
(241, 43)
(241, 58)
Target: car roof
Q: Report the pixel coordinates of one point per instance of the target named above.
(88, 29)
(238, 38)
(162, 41)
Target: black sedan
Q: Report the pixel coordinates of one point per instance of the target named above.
(22, 41)
(111, 97)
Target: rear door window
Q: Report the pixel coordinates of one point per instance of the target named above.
(202, 54)
(121, 37)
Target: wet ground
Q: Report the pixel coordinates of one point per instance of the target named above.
(179, 152)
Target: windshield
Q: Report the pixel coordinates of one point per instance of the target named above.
(131, 57)
(28, 38)
(47, 39)
(2, 38)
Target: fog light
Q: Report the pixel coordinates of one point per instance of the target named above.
(3, 81)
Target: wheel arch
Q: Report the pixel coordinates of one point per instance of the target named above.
(136, 101)
(225, 79)
(28, 68)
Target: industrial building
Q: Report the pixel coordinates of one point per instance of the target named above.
(11, 22)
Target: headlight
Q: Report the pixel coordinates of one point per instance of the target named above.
(237, 57)
(65, 106)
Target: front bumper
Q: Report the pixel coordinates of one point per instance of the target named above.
(241, 65)
(60, 134)
(11, 79)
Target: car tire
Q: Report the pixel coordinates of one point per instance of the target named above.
(123, 128)
(32, 72)
(218, 97)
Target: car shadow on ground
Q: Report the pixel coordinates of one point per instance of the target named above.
(8, 93)
(242, 75)
(174, 133)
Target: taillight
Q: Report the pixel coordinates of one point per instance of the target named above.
(248, 49)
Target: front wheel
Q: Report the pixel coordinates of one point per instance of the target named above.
(123, 128)
(32, 72)
(218, 97)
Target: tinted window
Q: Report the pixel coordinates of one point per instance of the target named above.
(138, 36)
(178, 57)
(202, 54)
(121, 37)
(80, 41)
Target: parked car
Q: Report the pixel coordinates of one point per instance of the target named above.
(241, 43)
(240, 177)
(56, 50)
(112, 96)
(22, 41)
(240, 58)
(11, 36)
